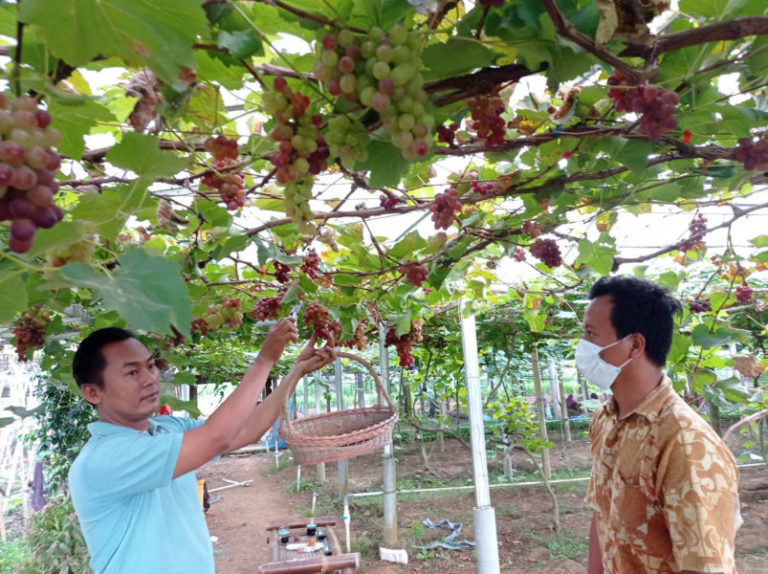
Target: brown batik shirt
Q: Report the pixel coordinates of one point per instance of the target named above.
(664, 487)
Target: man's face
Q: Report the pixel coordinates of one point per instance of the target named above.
(599, 330)
(131, 390)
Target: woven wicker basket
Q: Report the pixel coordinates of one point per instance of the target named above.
(340, 434)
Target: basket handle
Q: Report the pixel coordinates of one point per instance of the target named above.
(292, 379)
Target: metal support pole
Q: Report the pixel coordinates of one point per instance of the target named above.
(484, 515)
(360, 390)
(342, 467)
(320, 468)
(390, 496)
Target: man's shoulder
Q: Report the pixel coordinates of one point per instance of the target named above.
(677, 420)
(176, 424)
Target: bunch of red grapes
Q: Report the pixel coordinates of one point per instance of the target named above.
(311, 262)
(267, 308)
(445, 208)
(416, 273)
(317, 317)
(752, 155)
(547, 251)
(282, 272)
(358, 340)
(697, 228)
(656, 105)
(486, 119)
(28, 165)
(225, 157)
(29, 331)
(200, 325)
(744, 293)
(700, 305)
(404, 343)
(447, 134)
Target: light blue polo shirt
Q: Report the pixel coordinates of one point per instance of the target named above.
(135, 518)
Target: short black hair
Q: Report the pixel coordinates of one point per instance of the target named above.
(88, 363)
(641, 306)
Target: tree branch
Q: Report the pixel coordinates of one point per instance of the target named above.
(569, 31)
(738, 213)
(727, 30)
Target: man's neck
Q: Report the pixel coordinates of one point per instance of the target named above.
(636, 384)
(139, 425)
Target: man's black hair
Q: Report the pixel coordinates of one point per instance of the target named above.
(641, 306)
(88, 363)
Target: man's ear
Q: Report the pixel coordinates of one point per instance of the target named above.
(638, 344)
(91, 393)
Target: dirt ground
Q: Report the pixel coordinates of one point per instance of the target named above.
(527, 542)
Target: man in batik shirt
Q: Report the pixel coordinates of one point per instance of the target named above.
(664, 486)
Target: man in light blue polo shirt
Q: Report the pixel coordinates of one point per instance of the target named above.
(133, 484)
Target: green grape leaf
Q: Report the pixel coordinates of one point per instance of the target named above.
(13, 295)
(407, 245)
(599, 254)
(456, 56)
(142, 155)
(75, 120)
(109, 210)
(241, 43)
(147, 290)
(160, 33)
(386, 163)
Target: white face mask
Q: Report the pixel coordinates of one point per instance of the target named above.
(593, 367)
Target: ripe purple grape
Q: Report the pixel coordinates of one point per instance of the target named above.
(23, 229)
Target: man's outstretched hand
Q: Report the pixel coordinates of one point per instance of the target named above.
(280, 334)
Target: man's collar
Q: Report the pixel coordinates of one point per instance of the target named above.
(101, 428)
(650, 406)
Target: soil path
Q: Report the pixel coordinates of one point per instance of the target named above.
(527, 545)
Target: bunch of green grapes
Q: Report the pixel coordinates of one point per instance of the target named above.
(302, 151)
(381, 70)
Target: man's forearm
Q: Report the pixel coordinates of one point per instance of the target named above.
(228, 419)
(260, 419)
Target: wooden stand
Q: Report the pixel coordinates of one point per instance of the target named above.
(297, 561)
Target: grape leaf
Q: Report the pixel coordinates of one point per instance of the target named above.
(147, 290)
(141, 154)
(456, 56)
(75, 120)
(241, 43)
(386, 163)
(13, 295)
(158, 32)
(108, 211)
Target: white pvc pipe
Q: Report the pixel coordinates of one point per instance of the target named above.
(484, 514)
(390, 496)
(341, 466)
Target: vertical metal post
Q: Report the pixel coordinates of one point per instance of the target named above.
(360, 390)
(390, 496)
(320, 468)
(547, 468)
(342, 467)
(484, 515)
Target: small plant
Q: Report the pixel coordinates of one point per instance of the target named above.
(417, 529)
(57, 542)
(12, 553)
